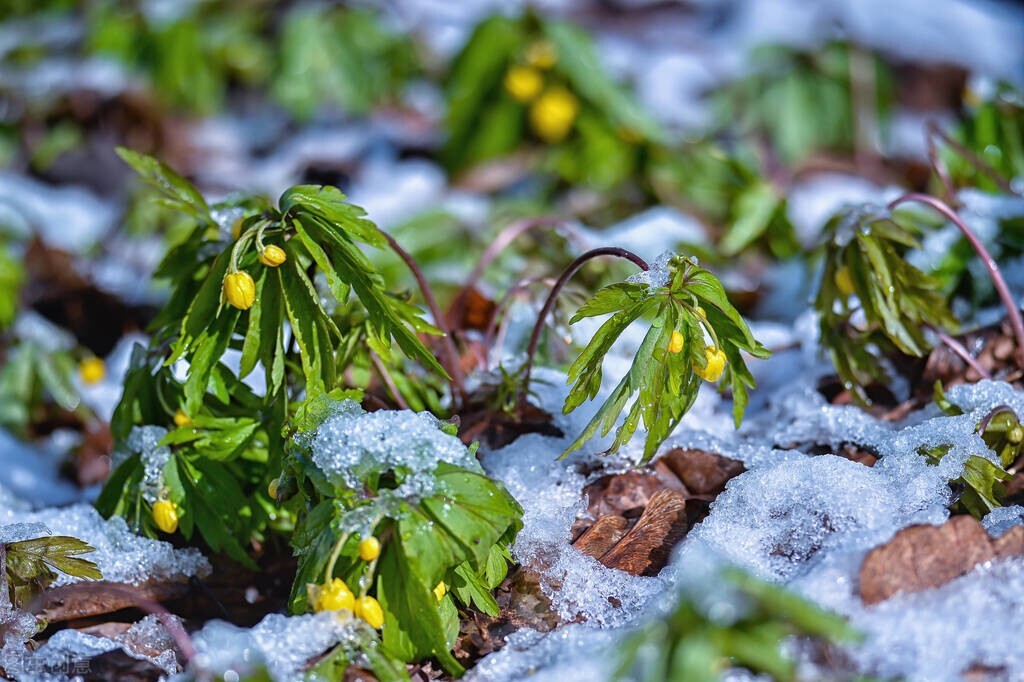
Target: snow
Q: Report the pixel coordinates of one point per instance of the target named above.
(67, 653)
(802, 521)
(31, 473)
(350, 445)
(651, 232)
(122, 556)
(281, 644)
(145, 442)
(69, 218)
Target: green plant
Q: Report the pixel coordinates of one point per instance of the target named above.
(529, 79)
(695, 334)
(983, 480)
(289, 290)
(694, 645)
(29, 566)
(809, 101)
(871, 301)
(438, 530)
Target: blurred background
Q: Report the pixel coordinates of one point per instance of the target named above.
(732, 129)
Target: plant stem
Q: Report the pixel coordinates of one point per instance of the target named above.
(452, 354)
(979, 163)
(962, 353)
(389, 382)
(502, 306)
(502, 242)
(566, 275)
(1012, 309)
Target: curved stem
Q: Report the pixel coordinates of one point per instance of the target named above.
(1012, 309)
(502, 242)
(501, 307)
(566, 275)
(962, 353)
(452, 354)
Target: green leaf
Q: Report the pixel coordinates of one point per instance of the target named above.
(179, 192)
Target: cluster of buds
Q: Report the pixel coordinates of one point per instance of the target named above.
(714, 356)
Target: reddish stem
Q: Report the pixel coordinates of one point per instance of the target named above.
(1012, 309)
(502, 305)
(504, 239)
(452, 360)
(566, 275)
(962, 353)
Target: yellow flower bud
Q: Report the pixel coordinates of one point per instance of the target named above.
(165, 516)
(239, 289)
(439, 590)
(675, 344)
(541, 54)
(272, 256)
(715, 367)
(92, 370)
(523, 83)
(844, 281)
(182, 419)
(369, 548)
(369, 610)
(272, 489)
(701, 313)
(552, 115)
(333, 596)
(1015, 435)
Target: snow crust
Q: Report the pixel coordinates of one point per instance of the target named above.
(121, 555)
(282, 645)
(795, 519)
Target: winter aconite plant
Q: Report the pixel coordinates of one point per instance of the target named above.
(391, 516)
(871, 301)
(402, 525)
(695, 335)
(540, 81)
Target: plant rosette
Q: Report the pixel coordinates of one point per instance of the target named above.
(400, 510)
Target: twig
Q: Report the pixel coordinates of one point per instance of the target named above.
(569, 271)
(454, 369)
(963, 353)
(1012, 309)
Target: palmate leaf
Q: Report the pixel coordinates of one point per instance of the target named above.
(871, 301)
(662, 385)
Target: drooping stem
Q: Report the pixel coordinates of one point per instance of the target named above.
(454, 368)
(502, 306)
(966, 152)
(570, 270)
(505, 238)
(1012, 309)
(962, 353)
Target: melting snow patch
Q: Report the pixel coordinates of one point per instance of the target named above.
(122, 556)
(281, 644)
